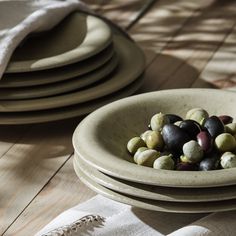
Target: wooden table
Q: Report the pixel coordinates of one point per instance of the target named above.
(187, 43)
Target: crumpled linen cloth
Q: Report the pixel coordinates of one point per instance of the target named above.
(18, 18)
(123, 220)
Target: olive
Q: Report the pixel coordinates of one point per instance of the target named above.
(205, 140)
(164, 162)
(191, 127)
(225, 142)
(134, 144)
(174, 137)
(186, 166)
(214, 126)
(158, 121)
(230, 128)
(173, 118)
(226, 119)
(209, 164)
(197, 114)
(228, 160)
(154, 140)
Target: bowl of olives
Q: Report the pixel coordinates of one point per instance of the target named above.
(174, 138)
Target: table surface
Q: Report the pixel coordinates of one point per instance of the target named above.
(187, 43)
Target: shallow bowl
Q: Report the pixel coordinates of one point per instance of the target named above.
(101, 138)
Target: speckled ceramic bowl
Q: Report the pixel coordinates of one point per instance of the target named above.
(101, 138)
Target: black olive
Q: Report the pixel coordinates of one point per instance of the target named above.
(209, 164)
(174, 137)
(214, 126)
(173, 118)
(226, 119)
(191, 127)
(186, 166)
(205, 140)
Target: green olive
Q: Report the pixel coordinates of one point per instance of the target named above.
(147, 157)
(144, 135)
(154, 140)
(141, 149)
(134, 144)
(230, 128)
(192, 152)
(164, 162)
(228, 160)
(158, 121)
(197, 114)
(225, 142)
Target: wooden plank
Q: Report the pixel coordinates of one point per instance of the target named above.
(62, 192)
(29, 164)
(220, 72)
(154, 31)
(189, 52)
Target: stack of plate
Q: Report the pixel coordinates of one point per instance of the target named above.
(80, 65)
(103, 163)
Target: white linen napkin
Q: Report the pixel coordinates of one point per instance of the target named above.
(120, 219)
(18, 18)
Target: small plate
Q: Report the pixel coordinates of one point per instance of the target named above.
(60, 87)
(125, 74)
(111, 126)
(76, 38)
(63, 73)
(155, 192)
(16, 118)
(175, 207)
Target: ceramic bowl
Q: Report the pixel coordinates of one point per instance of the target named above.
(101, 138)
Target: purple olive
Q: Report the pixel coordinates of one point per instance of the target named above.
(173, 118)
(205, 140)
(209, 164)
(186, 166)
(191, 127)
(226, 119)
(214, 126)
(174, 137)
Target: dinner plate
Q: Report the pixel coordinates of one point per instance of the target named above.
(125, 74)
(15, 118)
(76, 38)
(49, 76)
(60, 87)
(112, 126)
(154, 205)
(155, 192)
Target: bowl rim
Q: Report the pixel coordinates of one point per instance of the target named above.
(110, 164)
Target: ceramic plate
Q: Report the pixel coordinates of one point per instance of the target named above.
(125, 74)
(77, 37)
(14, 118)
(177, 207)
(61, 87)
(112, 126)
(156, 192)
(43, 77)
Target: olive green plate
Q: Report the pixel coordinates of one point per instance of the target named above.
(60, 87)
(156, 192)
(15, 118)
(125, 74)
(109, 128)
(77, 37)
(154, 205)
(63, 73)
